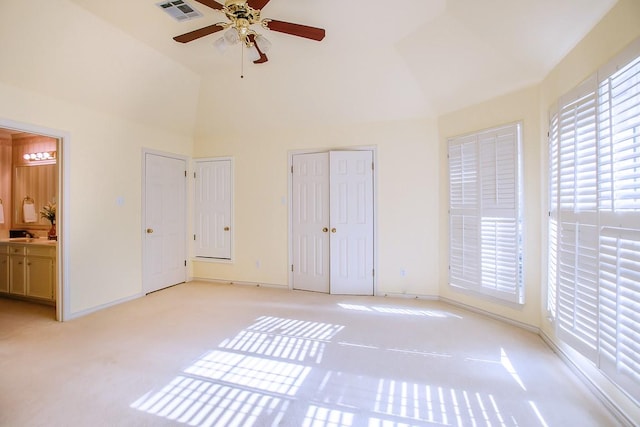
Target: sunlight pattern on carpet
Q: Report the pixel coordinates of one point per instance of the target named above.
(271, 374)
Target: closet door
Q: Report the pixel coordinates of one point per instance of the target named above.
(310, 222)
(332, 222)
(351, 213)
(213, 190)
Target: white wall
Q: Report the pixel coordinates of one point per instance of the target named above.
(58, 49)
(66, 70)
(407, 195)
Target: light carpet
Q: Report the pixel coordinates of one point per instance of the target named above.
(224, 355)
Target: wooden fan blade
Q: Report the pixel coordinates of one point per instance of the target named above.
(263, 58)
(211, 3)
(193, 35)
(258, 4)
(312, 33)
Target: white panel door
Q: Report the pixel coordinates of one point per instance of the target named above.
(165, 225)
(351, 213)
(332, 222)
(213, 209)
(310, 222)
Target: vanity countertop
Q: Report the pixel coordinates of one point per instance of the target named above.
(29, 241)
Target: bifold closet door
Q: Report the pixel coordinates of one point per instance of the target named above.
(310, 215)
(351, 217)
(333, 222)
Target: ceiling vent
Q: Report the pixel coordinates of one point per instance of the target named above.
(179, 10)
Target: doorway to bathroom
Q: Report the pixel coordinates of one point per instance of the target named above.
(41, 141)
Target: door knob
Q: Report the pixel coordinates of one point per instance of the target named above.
(149, 230)
(325, 229)
(333, 230)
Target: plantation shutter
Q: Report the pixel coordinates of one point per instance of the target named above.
(499, 213)
(577, 293)
(619, 200)
(597, 234)
(464, 228)
(485, 241)
(552, 262)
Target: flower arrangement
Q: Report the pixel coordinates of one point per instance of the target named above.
(48, 211)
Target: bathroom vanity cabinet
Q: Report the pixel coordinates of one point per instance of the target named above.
(28, 270)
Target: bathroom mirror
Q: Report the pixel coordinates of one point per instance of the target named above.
(39, 183)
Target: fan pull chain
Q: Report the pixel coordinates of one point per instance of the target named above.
(242, 62)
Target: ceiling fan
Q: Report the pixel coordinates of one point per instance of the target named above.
(242, 14)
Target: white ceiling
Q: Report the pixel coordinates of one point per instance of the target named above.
(381, 60)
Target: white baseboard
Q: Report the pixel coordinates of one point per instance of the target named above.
(239, 283)
(504, 319)
(407, 296)
(591, 385)
(82, 313)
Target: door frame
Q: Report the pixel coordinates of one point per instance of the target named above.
(187, 195)
(62, 221)
(291, 153)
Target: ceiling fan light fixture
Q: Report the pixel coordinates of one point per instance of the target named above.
(241, 16)
(263, 43)
(231, 36)
(221, 44)
(252, 53)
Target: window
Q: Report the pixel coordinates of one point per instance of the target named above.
(574, 217)
(485, 206)
(594, 220)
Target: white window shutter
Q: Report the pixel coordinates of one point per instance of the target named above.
(578, 287)
(594, 171)
(465, 247)
(578, 150)
(552, 262)
(499, 171)
(620, 307)
(464, 225)
(499, 213)
(463, 172)
(619, 120)
(619, 201)
(485, 230)
(577, 283)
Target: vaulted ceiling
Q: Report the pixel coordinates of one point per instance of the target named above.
(380, 60)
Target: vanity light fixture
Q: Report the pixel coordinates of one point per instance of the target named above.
(35, 157)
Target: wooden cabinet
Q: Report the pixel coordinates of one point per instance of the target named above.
(17, 270)
(40, 263)
(4, 269)
(30, 270)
